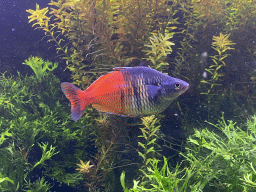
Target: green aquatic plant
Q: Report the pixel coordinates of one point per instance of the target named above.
(15, 169)
(232, 15)
(39, 121)
(212, 84)
(249, 178)
(94, 36)
(159, 48)
(39, 185)
(46, 154)
(108, 134)
(166, 179)
(220, 44)
(184, 63)
(149, 142)
(39, 16)
(157, 175)
(187, 51)
(39, 66)
(224, 158)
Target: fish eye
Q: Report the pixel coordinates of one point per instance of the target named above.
(177, 86)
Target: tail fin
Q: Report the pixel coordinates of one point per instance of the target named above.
(77, 98)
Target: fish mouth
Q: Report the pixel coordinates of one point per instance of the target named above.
(185, 87)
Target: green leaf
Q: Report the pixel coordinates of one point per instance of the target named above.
(45, 154)
(152, 141)
(142, 145)
(204, 81)
(6, 179)
(151, 149)
(122, 179)
(142, 155)
(135, 184)
(193, 141)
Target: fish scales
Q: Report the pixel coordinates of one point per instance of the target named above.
(137, 100)
(129, 91)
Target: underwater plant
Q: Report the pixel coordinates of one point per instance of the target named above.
(39, 66)
(219, 160)
(149, 135)
(223, 158)
(15, 168)
(94, 36)
(39, 142)
(160, 47)
(165, 179)
(231, 15)
(221, 44)
(108, 137)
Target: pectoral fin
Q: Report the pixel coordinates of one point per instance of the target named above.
(153, 90)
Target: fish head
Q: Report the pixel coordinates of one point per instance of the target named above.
(173, 87)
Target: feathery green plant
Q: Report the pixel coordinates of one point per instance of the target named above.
(109, 133)
(160, 47)
(39, 185)
(249, 179)
(231, 15)
(149, 143)
(224, 158)
(163, 179)
(15, 169)
(220, 44)
(219, 160)
(46, 154)
(32, 119)
(40, 66)
(94, 36)
(153, 177)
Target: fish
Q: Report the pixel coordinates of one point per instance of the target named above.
(126, 91)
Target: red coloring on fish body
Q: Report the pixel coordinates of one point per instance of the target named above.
(128, 91)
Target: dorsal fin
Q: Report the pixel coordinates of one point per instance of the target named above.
(121, 68)
(142, 64)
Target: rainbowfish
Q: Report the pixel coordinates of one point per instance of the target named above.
(126, 91)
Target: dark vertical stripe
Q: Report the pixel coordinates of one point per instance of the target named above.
(122, 100)
(136, 94)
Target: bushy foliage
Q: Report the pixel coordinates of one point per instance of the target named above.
(33, 119)
(39, 66)
(200, 22)
(95, 36)
(159, 48)
(219, 160)
(150, 136)
(224, 157)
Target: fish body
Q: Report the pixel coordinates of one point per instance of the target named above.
(128, 91)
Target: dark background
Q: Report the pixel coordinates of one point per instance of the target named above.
(19, 40)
